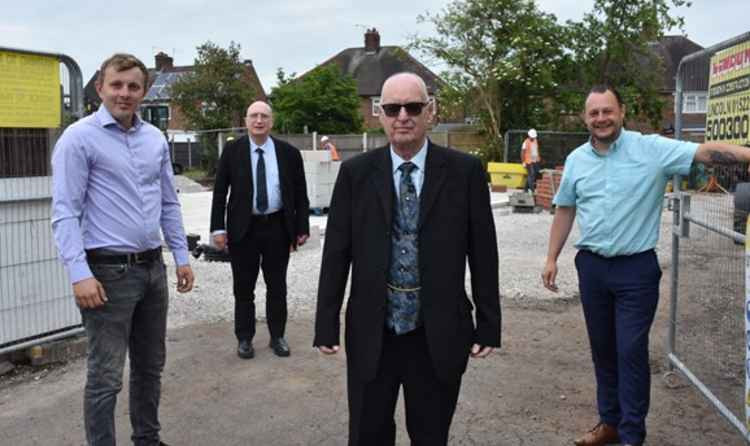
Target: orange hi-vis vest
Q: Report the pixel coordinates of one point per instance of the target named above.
(526, 152)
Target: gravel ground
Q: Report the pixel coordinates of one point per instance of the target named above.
(522, 247)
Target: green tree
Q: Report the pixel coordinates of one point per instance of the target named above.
(614, 44)
(507, 59)
(325, 100)
(216, 94)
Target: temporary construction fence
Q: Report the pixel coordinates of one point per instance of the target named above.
(554, 146)
(709, 336)
(190, 148)
(36, 300)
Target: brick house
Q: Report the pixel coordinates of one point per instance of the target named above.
(371, 64)
(670, 50)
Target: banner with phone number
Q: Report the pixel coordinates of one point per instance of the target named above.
(728, 115)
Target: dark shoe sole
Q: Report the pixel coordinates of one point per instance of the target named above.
(281, 353)
(246, 355)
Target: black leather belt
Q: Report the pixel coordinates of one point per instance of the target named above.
(267, 217)
(97, 257)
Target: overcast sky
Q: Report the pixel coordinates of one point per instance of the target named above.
(292, 34)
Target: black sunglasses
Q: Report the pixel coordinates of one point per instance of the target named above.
(412, 108)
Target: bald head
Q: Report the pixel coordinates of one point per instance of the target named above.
(259, 121)
(399, 80)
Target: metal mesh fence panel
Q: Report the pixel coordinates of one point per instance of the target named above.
(710, 318)
(710, 340)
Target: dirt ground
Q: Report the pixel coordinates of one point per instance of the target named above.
(537, 390)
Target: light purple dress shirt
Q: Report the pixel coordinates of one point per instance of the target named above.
(113, 188)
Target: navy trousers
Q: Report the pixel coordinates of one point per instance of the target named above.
(619, 296)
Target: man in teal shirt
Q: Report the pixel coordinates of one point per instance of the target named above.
(615, 184)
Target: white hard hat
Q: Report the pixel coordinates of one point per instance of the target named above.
(324, 139)
(532, 133)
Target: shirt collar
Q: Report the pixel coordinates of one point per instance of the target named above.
(265, 147)
(612, 147)
(106, 119)
(419, 159)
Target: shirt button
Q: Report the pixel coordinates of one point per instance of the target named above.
(403, 251)
(408, 198)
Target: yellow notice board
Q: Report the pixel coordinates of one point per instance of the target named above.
(29, 90)
(728, 117)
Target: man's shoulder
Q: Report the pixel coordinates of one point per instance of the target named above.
(366, 160)
(453, 155)
(82, 126)
(151, 130)
(283, 145)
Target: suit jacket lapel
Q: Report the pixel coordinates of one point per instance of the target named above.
(382, 179)
(244, 162)
(283, 172)
(433, 180)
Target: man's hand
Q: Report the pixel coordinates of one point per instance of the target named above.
(89, 293)
(301, 239)
(549, 275)
(185, 278)
(329, 350)
(477, 351)
(220, 241)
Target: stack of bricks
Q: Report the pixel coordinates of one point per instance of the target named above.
(545, 188)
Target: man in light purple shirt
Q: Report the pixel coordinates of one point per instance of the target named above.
(113, 192)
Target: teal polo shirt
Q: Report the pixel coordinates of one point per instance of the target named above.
(619, 195)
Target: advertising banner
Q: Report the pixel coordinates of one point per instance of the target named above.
(728, 116)
(30, 92)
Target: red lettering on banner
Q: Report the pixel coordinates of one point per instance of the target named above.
(736, 61)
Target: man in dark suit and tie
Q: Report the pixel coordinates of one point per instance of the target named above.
(266, 219)
(406, 218)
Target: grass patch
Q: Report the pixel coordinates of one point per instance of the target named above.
(195, 174)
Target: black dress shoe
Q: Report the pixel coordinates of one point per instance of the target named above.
(280, 347)
(245, 349)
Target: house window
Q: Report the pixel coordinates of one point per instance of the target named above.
(694, 102)
(158, 115)
(375, 106)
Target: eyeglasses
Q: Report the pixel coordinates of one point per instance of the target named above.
(261, 116)
(412, 108)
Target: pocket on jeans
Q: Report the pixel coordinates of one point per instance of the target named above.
(109, 273)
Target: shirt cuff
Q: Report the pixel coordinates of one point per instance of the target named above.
(181, 257)
(218, 231)
(79, 271)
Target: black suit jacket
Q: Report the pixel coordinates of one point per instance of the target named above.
(234, 174)
(455, 224)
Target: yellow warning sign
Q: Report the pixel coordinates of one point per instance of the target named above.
(30, 92)
(728, 116)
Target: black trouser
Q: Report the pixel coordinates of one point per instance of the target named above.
(430, 403)
(265, 246)
(533, 171)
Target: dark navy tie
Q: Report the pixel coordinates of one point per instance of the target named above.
(261, 202)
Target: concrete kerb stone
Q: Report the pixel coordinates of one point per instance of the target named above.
(57, 351)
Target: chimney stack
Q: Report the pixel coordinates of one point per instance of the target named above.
(372, 41)
(163, 61)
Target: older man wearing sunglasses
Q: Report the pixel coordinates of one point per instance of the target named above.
(407, 217)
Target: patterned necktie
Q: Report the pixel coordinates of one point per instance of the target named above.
(261, 202)
(408, 200)
(403, 282)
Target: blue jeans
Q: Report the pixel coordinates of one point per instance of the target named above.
(619, 296)
(134, 321)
